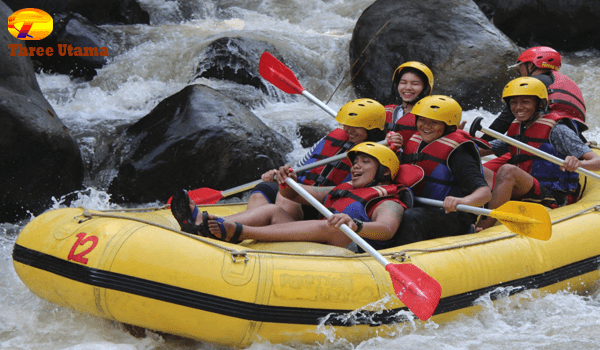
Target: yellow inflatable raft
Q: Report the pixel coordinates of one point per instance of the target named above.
(136, 268)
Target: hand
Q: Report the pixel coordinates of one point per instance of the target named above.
(462, 124)
(394, 140)
(283, 173)
(450, 203)
(336, 220)
(570, 164)
(269, 176)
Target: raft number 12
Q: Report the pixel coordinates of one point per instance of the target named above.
(81, 240)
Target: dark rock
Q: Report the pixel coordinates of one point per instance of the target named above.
(98, 12)
(568, 25)
(195, 138)
(467, 54)
(312, 132)
(76, 31)
(488, 7)
(39, 157)
(236, 59)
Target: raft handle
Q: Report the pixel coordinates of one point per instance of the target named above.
(234, 254)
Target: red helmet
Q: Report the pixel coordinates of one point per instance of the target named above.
(541, 57)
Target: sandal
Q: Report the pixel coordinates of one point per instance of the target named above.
(180, 208)
(236, 235)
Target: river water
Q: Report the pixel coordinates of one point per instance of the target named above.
(316, 34)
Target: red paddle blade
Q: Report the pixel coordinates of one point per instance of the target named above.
(417, 290)
(278, 74)
(203, 195)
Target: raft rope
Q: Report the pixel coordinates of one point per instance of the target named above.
(400, 256)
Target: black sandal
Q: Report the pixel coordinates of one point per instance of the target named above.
(236, 235)
(180, 208)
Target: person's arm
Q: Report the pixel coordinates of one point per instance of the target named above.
(385, 220)
(286, 191)
(567, 142)
(591, 161)
(467, 173)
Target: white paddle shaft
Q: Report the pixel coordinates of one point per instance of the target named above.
(323, 210)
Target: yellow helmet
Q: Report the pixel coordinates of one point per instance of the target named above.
(419, 67)
(383, 154)
(439, 107)
(362, 113)
(525, 86)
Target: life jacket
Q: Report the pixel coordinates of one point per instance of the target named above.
(355, 202)
(334, 173)
(537, 135)
(433, 158)
(564, 96)
(406, 124)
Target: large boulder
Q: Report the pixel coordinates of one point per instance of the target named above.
(467, 54)
(39, 158)
(76, 31)
(236, 59)
(568, 25)
(198, 137)
(98, 12)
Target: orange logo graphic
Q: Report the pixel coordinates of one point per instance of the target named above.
(30, 24)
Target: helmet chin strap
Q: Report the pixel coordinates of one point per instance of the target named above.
(379, 177)
(530, 72)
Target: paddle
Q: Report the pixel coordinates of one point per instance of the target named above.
(525, 219)
(417, 290)
(278, 74)
(207, 195)
(476, 126)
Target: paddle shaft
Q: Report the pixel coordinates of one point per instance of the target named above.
(325, 212)
(460, 207)
(535, 151)
(319, 103)
(251, 185)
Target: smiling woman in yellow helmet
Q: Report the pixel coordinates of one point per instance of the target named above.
(374, 213)
(411, 82)
(530, 178)
(360, 120)
(453, 172)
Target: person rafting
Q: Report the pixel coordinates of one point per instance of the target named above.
(453, 172)
(530, 178)
(370, 204)
(564, 96)
(361, 120)
(411, 82)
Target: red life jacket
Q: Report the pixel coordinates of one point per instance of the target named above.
(537, 135)
(406, 124)
(355, 201)
(564, 96)
(334, 173)
(433, 158)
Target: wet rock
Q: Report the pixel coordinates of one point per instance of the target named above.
(311, 133)
(568, 25)
(236, 59)
(70, 32)
(467, 54)
(98, 12)
(196, 138)
(39, 157)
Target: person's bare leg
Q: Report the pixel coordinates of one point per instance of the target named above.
(256, 200)
(291, 207)
(300, 231)
(511, 183)
(488, 174)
